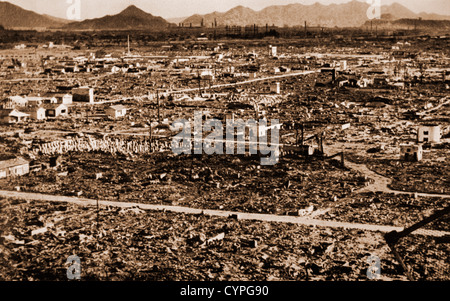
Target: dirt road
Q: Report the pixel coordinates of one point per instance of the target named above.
(239, 215)
(380, 183)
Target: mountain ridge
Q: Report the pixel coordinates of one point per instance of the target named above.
(13, 16)
(130, 18)
(350, 14)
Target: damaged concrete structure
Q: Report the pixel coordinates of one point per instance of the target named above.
(14, 167)
(411, 152)
(429, 133)
(11, 116)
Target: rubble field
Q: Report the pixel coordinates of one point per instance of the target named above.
(388, 209)
(225, 182)
(363, 98)
(431, 175)
(132, 244)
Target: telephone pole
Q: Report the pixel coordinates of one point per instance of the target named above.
(157, 97)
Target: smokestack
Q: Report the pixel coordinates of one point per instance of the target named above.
(129, 52)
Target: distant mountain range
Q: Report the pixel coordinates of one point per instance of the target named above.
(13, 16)
(351, 14)
(130, 18)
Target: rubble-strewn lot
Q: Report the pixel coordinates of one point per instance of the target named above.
(388, 209)
(132, 244)
(432, 175)
(209, 182)
(373, 101)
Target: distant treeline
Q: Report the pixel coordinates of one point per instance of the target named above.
(416, 24)
(92, 39)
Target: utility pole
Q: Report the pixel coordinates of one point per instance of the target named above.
(151, 132)
(98, 217)
(129, 52)
(303, 133)
(157, 96)
(199, 84)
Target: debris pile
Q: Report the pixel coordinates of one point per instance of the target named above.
(235, 183)
(143, 245)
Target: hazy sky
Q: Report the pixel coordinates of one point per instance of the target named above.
(182, 8)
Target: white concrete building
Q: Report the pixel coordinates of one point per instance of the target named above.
(116, 111)
(83, 94)
(275, 88)
(36, 113)
(11, 116)
(429, 133)
(18, 101)
(272, 50)
(411, 152)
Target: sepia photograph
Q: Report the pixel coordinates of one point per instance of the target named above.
(225, 146)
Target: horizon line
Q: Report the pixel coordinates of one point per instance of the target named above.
(183, 17)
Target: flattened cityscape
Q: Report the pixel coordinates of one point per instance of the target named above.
(94, 184)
